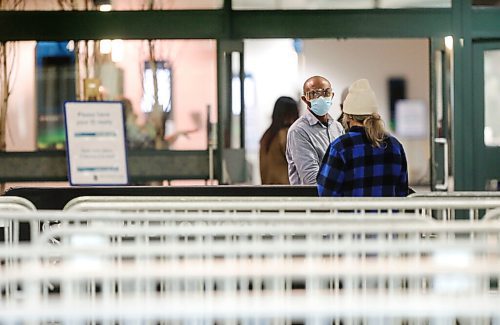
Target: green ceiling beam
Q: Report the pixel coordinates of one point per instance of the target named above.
(81, 25)
(342, 23)
(485, 22)
(211, 24)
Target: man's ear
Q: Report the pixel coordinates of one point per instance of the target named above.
(308, 103)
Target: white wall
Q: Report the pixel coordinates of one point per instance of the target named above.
(273, 65)
(342, 62)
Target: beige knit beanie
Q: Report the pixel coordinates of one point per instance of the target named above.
(361, 99)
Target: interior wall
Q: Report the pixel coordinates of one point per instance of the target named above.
(21, 114)
(273, 68)
(343, 62)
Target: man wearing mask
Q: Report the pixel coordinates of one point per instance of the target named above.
(310, 135)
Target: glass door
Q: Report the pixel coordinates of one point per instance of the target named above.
(441, 115)
(231, 166)
(485, 127)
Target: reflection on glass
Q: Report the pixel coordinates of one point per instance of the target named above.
(337, 4)
(438, 57)
(414, 4)
(492, 98)
(108, 5)
(55, 71)
(164, 84)
(166, 4)
(46, 74)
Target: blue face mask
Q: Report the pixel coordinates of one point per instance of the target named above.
(320, 106)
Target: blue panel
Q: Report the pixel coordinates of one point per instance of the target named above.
(54, 50)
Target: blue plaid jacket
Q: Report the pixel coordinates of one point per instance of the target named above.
(353, 167)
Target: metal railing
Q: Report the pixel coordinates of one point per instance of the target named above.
(443, 208)
(463, 194)
(312, 272)
(14, 203)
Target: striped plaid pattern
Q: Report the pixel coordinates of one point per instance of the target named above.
(353, 167)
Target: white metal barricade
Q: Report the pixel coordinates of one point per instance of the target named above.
(444, 208)
(15, 203)
(415, 272)
(42, 220)
(462, 194)
(12, 204)
(184, 208)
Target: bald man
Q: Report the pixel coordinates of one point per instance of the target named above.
(310, 135)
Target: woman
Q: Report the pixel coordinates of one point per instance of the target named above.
(366, 161)
(273, 164)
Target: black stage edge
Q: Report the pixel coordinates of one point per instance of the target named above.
(55, 198)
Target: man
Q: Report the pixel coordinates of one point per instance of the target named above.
(309, 137)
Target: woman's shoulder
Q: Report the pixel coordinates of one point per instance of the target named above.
(392, 139)
(394, 142)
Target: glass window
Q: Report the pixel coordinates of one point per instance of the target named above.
(486, 3)
(55, 84)
(166, 4)
(46, 74)
(388, 4)
(107, 5)
(492, 98)
(337, 4)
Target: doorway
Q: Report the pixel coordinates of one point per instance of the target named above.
(485, 125)
(279, 67)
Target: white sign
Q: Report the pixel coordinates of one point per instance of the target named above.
(95, 143)
(412, 118)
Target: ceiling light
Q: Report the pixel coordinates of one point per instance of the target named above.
(448, 42)
(105, 7)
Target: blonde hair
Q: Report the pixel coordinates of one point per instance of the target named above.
(374, 127)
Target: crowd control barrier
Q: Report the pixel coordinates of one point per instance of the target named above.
(312, 272)
(443, 208)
